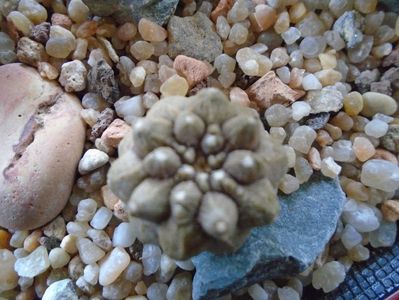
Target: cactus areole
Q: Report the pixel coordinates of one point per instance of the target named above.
(203, 169)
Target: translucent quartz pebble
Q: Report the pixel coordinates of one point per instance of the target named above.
(253, 63)
(384, 236)
(224, 63)
(303, 170)
(343, 151)
(124, 235)
(113, 266)
(88, 251)
(7, 46)
(311, 25)
(360, 215)
(289, 184)
(380, 174)
(222, 27)
(101, 218)
(350, 237)
(8, 276)
(257, 292)
(376, 128)
(300, 109)
(78, 11)
(186, 265)
(338, 7)
(151, 259)
(33, 11)
(329, 276)
(310, 82)
(334, 40)
(238, 34)
(86, 210)
(312, 46)
(287, 293)
(359, 253)
(302, 139)
(180, 287)
(277, 115)
(291, 35)
(362, 50)
(34, 264)
(330, 168)
(157, 291)
(21, 23)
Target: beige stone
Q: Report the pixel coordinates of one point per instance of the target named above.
(269, 90)
(221, 9)
(390, 210)
(192, 69)
(42, 140)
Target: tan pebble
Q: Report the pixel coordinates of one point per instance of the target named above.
(328, 77)
(61, 20)
(378, 103)
(68, 243)
(314, 158)
(5, 237)
(363, 148)
(192, 69)
(126, 32)
(151, 31)
(356, 190)
(46, 165)
(297, 12)
(120, 211)
(86, 29)
(269, 90)
(385, 155)
(47, 70)
(32, 241)
(140, 288)
(323, 138)
(263, 18)
(239, 97)
(115, 132)
(221, 9)
(353, 103)
(334, 131)
(109, 198)
(390, 210)
(80, 52)
(343, 121)
(107, 30)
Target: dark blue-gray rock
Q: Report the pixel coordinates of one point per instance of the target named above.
(123, 11)
(349, 26)
(61, 290)
(194, 36)
(287, 247)
(390, 5)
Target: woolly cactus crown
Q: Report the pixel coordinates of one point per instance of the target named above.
(201, 168)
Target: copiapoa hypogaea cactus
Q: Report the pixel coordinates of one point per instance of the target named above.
(201, 168)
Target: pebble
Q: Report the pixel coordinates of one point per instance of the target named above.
(378, 103)
(151, 258)
(113, 266)
(47, 71)
(359, 253)
(21, 23)
(174, 86)
(157, 291)
(78, 11)
(330, 168)
(256, 292)
(61, 42)
(91, 273)
(133, 272)
(58, 258)
(63, 289)
(7, 47)
(194, 37)
(91, 160)
(180, 287)
(263, 18)
(30, 52)
(363, 148)
(44, 157)
(353, 103)
(115, 132)
(119, 289)
(101, 218)
(349, 27)
(186, 265)
(124, 235)
(287, 293)
(166, 269)
(350, 237)
(310, 82)
(360, 215)
(8, 276)
(269, 90)
(302, 139)
(384, 236)
(376, 128)
(34, 264)
(277, 115)
(390, 210)
(193, 70)
(300, 109)
(151, 31)
(288, 184)
(326, 100)
(329, 276)
(380, 174)
(100, 238)
(68, 243)
(343, 151)
(291, 35)
(73, 76)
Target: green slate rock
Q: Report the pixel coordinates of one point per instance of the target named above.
(133, 10)
(194, 37)
(286, 247)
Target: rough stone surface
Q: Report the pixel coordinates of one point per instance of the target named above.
(61, 290)
(34, 167)
(269, 90)
(194, 37)
(101, 80)
(390, 141)
(133, 10)
(288, 246)
(349, 26)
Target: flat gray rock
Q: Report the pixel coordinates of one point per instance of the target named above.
(133, 10)
(306, 223)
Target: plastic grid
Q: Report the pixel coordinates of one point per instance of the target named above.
(376, 278)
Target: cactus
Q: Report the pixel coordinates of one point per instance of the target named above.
(203, 170)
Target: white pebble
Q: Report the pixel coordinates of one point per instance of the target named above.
(124, 235)
(350, 237)
(330, 168)
(376, 128)
(101, 218)
(329, 276)
(151, 258)
(34, 264)
(86, 210)
(186, 265)
(113, 266)
(257, 292)
(287, 293)
(380, 174)
(310, 82)
(91, 160)
(360, 215)
(300, 109)
(58, 258)
(88, 251)
(91, 273)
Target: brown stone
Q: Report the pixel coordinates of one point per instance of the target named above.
(221, 9)
(390, 210)
(42, 140)
(192, 69)
(61, 20)
(269, 90)
(115, 132)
